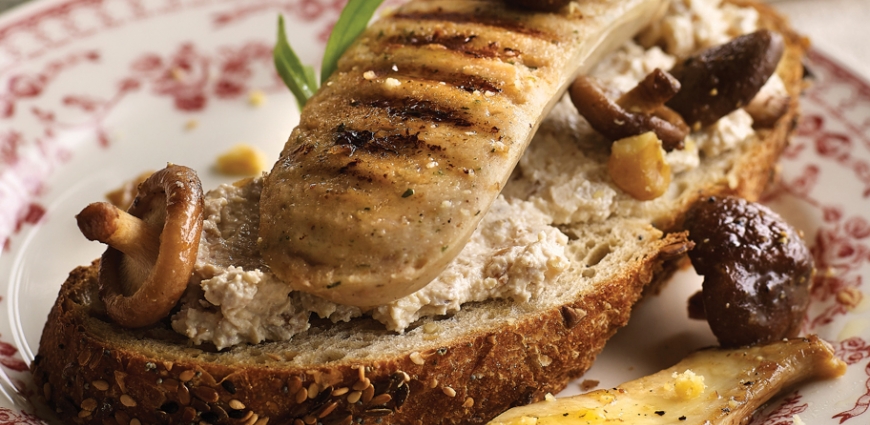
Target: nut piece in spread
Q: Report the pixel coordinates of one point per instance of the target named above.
(637, 166)
(152, 247)
(757, 270)
(714, 386)
(724, 78)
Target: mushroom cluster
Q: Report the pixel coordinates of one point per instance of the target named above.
(694, 94)
(640, 110)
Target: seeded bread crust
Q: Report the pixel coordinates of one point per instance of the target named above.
(95, 372)
(462, 369)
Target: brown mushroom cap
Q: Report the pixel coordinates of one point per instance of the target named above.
(757, 271)
(721, 79)
(138, 283)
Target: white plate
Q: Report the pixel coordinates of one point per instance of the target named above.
(93, 92)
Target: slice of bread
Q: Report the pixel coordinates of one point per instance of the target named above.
(465, 368)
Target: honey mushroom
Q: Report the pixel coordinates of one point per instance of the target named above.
(152, 247)
(703, 88)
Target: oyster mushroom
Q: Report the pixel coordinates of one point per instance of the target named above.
(724, 78)
(712, 386)
(152, 247)
(636, 112)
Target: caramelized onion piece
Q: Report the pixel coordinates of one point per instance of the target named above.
(152, 248)
(639, 111)
(757, 271)
(721, 79)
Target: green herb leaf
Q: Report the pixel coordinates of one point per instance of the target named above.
(299, 78)
(353, 21)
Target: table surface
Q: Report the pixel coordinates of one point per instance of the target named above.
(836, 27)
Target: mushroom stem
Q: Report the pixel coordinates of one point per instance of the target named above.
(617, 122)
(650, 93)
(103, 222)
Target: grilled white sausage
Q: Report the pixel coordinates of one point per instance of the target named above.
(399, 155)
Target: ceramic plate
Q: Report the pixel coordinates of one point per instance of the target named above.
(93, 92)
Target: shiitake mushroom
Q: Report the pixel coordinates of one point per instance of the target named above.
(152, 247)
(757, 271)
(721, 79)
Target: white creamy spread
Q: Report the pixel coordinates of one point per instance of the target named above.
(517, 248)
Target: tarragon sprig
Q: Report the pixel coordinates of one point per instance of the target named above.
(301, 79)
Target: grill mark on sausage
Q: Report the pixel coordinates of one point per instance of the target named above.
(470, 83)
(366, 141)
(467, 83)
(487, 20)
(459, 43)
(428, 112)
(408, 108)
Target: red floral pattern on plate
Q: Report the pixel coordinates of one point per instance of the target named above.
(186, 76)
(11, 417)
(853, 351)
(784, 414)
(189, 77)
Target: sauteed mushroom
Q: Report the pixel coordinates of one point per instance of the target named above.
(721, 79)
(639, 111)
(756, 271)
(152, 249)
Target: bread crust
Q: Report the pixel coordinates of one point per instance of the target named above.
(464, 380)
(92, 371)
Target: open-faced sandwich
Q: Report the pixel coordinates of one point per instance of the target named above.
(444, 236)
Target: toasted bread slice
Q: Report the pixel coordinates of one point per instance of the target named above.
(465, 368)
